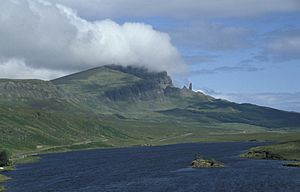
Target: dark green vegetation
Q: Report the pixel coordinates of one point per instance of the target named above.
(117, 106)
(4, 158)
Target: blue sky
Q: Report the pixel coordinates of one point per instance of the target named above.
(240, 50)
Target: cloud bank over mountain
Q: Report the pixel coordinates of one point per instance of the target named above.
(52, 38)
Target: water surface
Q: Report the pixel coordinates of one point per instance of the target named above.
(155, 169)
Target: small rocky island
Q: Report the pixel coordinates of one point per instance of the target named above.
(200, 162)
(262, 154)
(292, 164)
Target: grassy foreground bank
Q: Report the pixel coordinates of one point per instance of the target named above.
(4, 178)
(288, 151)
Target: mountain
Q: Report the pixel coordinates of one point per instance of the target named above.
(120, 106)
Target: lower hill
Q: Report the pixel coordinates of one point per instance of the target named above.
(120, 106)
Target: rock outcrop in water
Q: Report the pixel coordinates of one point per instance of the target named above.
(202, 163)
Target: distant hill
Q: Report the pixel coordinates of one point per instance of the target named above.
(118, 106)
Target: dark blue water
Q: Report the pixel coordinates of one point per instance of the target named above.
(155, 169)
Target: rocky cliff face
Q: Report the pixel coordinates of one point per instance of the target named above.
(141, 90)
(160, 78)
(152, 85)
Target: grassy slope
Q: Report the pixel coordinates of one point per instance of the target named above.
(229, 112)
(27, 129)
(94, 82)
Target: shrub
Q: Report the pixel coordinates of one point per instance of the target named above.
(4, 158)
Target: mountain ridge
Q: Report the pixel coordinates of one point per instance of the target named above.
(116, 106)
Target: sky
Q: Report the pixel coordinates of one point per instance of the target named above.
(247, 51)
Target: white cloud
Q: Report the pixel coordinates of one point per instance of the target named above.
(283, 45)
(52, 37)
(179, 8)
(17, 69)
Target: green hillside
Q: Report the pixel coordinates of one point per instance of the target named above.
(122, 106)
(229, 112)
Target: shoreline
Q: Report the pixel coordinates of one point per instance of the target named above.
(35, 156)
